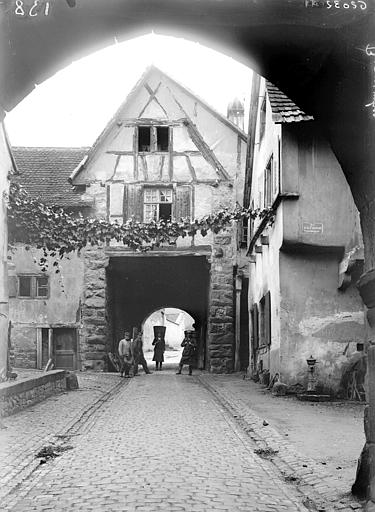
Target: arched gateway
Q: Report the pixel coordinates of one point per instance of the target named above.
(320, 52)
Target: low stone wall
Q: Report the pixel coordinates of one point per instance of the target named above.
(15, 396)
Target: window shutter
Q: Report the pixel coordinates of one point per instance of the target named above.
(133, 202)
(12, 286)
(116, 199)
(267, 318)
(183, 202)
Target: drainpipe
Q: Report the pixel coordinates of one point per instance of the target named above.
(237, 361)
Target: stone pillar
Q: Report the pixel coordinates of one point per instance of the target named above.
(93, 335)
(366, 287)
(220, 337)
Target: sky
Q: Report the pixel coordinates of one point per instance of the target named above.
(72, 107)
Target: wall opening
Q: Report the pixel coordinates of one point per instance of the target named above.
(140, 285)
(176, 321)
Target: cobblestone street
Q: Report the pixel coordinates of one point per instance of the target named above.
(158, 442)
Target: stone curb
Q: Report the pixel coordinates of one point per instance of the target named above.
(309, 478)
(30, 464)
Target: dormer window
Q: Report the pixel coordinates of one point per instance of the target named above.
(153, 138)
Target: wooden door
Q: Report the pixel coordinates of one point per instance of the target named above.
(65, 348)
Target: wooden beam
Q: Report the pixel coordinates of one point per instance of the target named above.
(50, 343)
(39, 349)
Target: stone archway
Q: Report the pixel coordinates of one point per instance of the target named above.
(321, 55)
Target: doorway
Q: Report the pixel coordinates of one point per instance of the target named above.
(65, 347)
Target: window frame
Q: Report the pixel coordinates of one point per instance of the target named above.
(157, 201)
(154, 145)
(34, 288)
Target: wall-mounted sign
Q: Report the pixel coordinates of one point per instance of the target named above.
(312, 227)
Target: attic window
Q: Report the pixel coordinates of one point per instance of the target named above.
(153, 138)
(162, 138)
(144, 138)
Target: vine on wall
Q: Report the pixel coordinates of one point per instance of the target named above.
(59, 233)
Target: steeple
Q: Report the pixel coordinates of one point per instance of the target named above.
(236, 112)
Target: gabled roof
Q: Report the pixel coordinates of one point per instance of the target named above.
(143, 79)
(284, 110)
(44, 173)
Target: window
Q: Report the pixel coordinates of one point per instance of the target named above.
(157, 204)
(24, 286)
(244, 231)
(162, 138)
(41, 287)
(262, 118)
(144, 139)
(265, 320)
(33, 287)
(268, 184)
(153, 138)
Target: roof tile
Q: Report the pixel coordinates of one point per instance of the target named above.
(284, 110)
(44, 173)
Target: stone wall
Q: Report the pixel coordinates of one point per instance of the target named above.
(220, 332)
(15, 396)
(93, 334)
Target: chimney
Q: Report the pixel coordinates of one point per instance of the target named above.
(236, 113)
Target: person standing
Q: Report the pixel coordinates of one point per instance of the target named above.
(138, 355)
(125, 351)
(188, 354)
(159, 348)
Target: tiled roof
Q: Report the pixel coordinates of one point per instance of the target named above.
(44, 173)
(284, 110)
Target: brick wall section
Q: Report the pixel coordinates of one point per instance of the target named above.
(220, 335)
(93, 334)
(16, 396)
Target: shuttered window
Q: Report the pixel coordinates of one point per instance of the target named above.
(133, 202)
(183, 209)
(145, 203)
(254, 327)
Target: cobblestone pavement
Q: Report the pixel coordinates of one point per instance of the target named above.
(321, 485)
(162, 442)
(25, 433)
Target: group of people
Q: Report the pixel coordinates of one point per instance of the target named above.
(131, 354)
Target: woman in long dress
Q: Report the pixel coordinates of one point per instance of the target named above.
(159, 348)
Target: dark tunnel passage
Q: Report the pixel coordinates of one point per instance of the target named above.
(137, 286)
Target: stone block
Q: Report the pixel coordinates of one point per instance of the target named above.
(279, 389)
(94, 365)
(221, 320)
(71, 381)
(95, 302)
(94, 321)
(95, 340)
(95, 356)
(223, 240)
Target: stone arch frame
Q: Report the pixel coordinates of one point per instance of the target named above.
(325, 62)
(165, 307)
